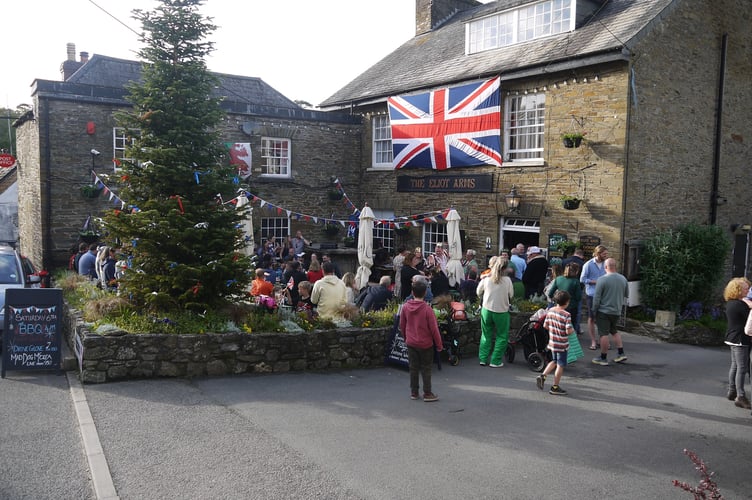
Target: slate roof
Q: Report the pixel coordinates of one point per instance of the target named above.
(111, 72)
(438, 57)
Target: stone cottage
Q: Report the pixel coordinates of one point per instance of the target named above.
(657, 88)
(295, 155)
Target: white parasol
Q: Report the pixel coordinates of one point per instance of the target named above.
(454, 269)
(365, 247)
(247, 224)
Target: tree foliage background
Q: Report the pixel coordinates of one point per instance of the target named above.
(185, 246)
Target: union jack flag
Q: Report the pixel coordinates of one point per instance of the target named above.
(453, 127)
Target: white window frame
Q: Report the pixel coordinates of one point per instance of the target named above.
(522, 24)
(433, 233)
(382, 152)
(120, 144)
(274, 163)
(383, 231)
(524, 127)
(279, 227)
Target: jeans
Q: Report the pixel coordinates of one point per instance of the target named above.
(420, 364)
(739, 368)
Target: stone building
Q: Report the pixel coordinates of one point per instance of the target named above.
(296, 154)
(656, 86)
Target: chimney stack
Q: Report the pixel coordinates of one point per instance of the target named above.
(70, 65)
(430, 14)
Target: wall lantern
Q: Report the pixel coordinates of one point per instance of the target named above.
(513, 200)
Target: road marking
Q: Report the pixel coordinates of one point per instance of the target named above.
(104, 488)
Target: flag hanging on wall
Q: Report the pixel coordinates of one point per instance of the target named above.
(240, 157)
(453, 127)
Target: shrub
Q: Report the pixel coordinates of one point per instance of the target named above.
(682, 265)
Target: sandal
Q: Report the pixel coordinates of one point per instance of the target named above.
(593, 347)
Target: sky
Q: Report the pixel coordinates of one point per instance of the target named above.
(305, 49)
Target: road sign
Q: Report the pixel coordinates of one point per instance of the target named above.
(7, 160)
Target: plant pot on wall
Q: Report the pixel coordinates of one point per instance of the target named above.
(334, 195)
(331, 229)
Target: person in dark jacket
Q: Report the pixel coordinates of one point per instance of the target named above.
(534, 276)
(377, 296)
(292, 279)
(737, 311)
(439, 282)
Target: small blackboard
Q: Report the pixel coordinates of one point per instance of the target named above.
(396, 349)
(32, 330)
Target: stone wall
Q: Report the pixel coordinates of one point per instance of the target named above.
(121, 356)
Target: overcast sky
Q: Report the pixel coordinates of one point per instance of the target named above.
(305, 49)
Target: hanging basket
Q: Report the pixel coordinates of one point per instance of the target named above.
(331, 229)
(573, 204)
(90, 191)
(334, 195)
(572, 143)
(350, 242)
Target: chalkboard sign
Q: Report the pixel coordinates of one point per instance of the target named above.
(396, 349)
(32, 333)
(588, 245)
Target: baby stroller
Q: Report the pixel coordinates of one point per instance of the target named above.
(534, 340)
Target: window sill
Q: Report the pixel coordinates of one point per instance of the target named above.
(538, 162)
(387, 168)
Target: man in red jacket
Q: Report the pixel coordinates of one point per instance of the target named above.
(421, 331)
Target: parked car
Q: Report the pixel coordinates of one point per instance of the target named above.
(16, 271)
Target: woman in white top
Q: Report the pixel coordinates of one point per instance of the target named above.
(351, 289)
(495, 292)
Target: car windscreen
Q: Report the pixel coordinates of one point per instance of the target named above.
(9, 272)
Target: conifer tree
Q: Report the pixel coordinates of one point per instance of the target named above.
(184, 243)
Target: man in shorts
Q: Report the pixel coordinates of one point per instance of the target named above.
(610, 291)
(591, 271)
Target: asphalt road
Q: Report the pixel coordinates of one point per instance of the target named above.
(356, 434)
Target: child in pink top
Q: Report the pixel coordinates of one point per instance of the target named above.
(421, 332)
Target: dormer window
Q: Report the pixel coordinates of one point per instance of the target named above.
(525, 23)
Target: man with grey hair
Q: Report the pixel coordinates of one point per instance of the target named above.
(610, 292)
(377, 296)
(469, 263)
(519, 261)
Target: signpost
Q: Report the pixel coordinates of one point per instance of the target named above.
(32, 331)
(7, 160)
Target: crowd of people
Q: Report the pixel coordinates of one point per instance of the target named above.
(99, 263)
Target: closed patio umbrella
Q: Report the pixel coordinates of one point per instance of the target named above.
(247, 224)
(365, 247)
(455, 272)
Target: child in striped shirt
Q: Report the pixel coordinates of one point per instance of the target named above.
(558, 322)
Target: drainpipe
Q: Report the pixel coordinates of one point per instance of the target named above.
(718, 124)
(47, 210)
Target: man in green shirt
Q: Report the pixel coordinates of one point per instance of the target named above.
(610, 291)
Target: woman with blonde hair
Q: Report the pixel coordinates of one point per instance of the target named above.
(737, 311)
(351, 289)
(495, 292)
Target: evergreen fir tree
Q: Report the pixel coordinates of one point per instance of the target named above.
(185, 245)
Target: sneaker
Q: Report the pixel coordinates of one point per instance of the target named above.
(731, 394)
(430, 397)
(539, 381)
(743, 402)
(600, 361)
(482, 363)
(557, 391)
(492, 365)
(414, 396)
(620, 358)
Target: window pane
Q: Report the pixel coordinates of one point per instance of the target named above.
(524, 126)
(275, 157)
(382, 141)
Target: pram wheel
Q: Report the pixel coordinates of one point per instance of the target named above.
(454, 360)
(536, 361)
(509, 355)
